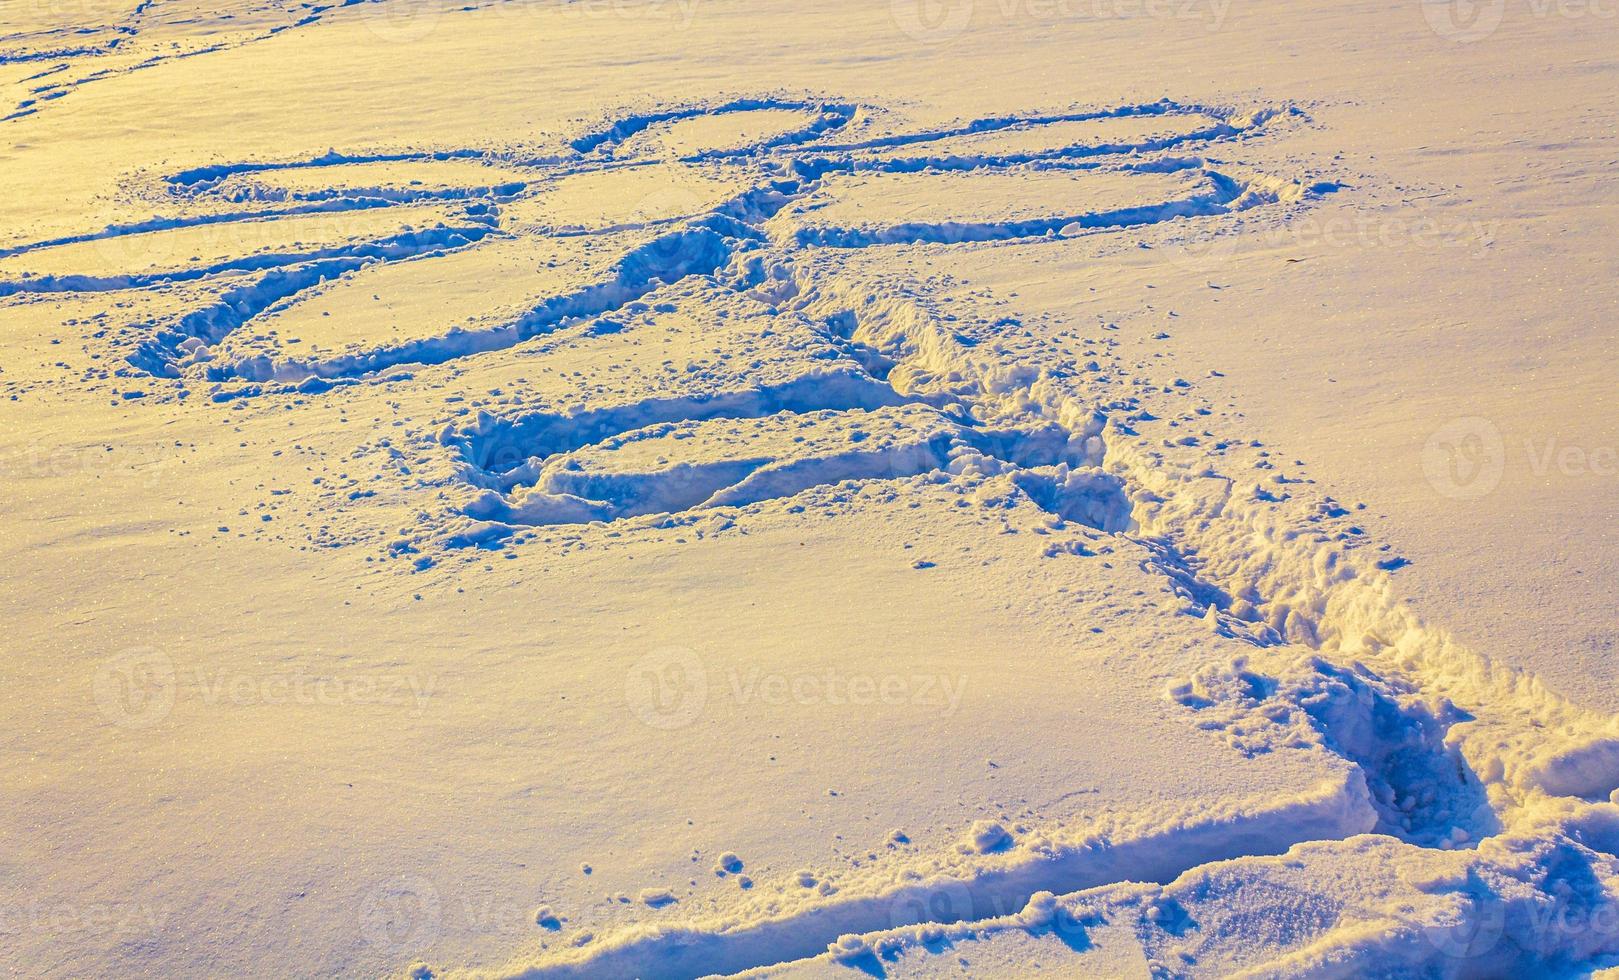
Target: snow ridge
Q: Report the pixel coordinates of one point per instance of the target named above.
(1159, 848)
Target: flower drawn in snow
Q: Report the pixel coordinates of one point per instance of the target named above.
(677, 213)
(690, 205)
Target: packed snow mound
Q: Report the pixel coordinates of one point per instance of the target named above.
(1367, 904)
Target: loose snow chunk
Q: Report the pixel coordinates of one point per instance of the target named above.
(849, 948)
(986, 836)
(1040, 910)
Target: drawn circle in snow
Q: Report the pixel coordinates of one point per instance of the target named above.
(402, 914)
(135, 688)
(403, 21)
(1464, 458)
(943, 901)
(1464, 21)
(667, 688)
(931, 21)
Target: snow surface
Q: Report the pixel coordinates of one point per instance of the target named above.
(659, 489)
